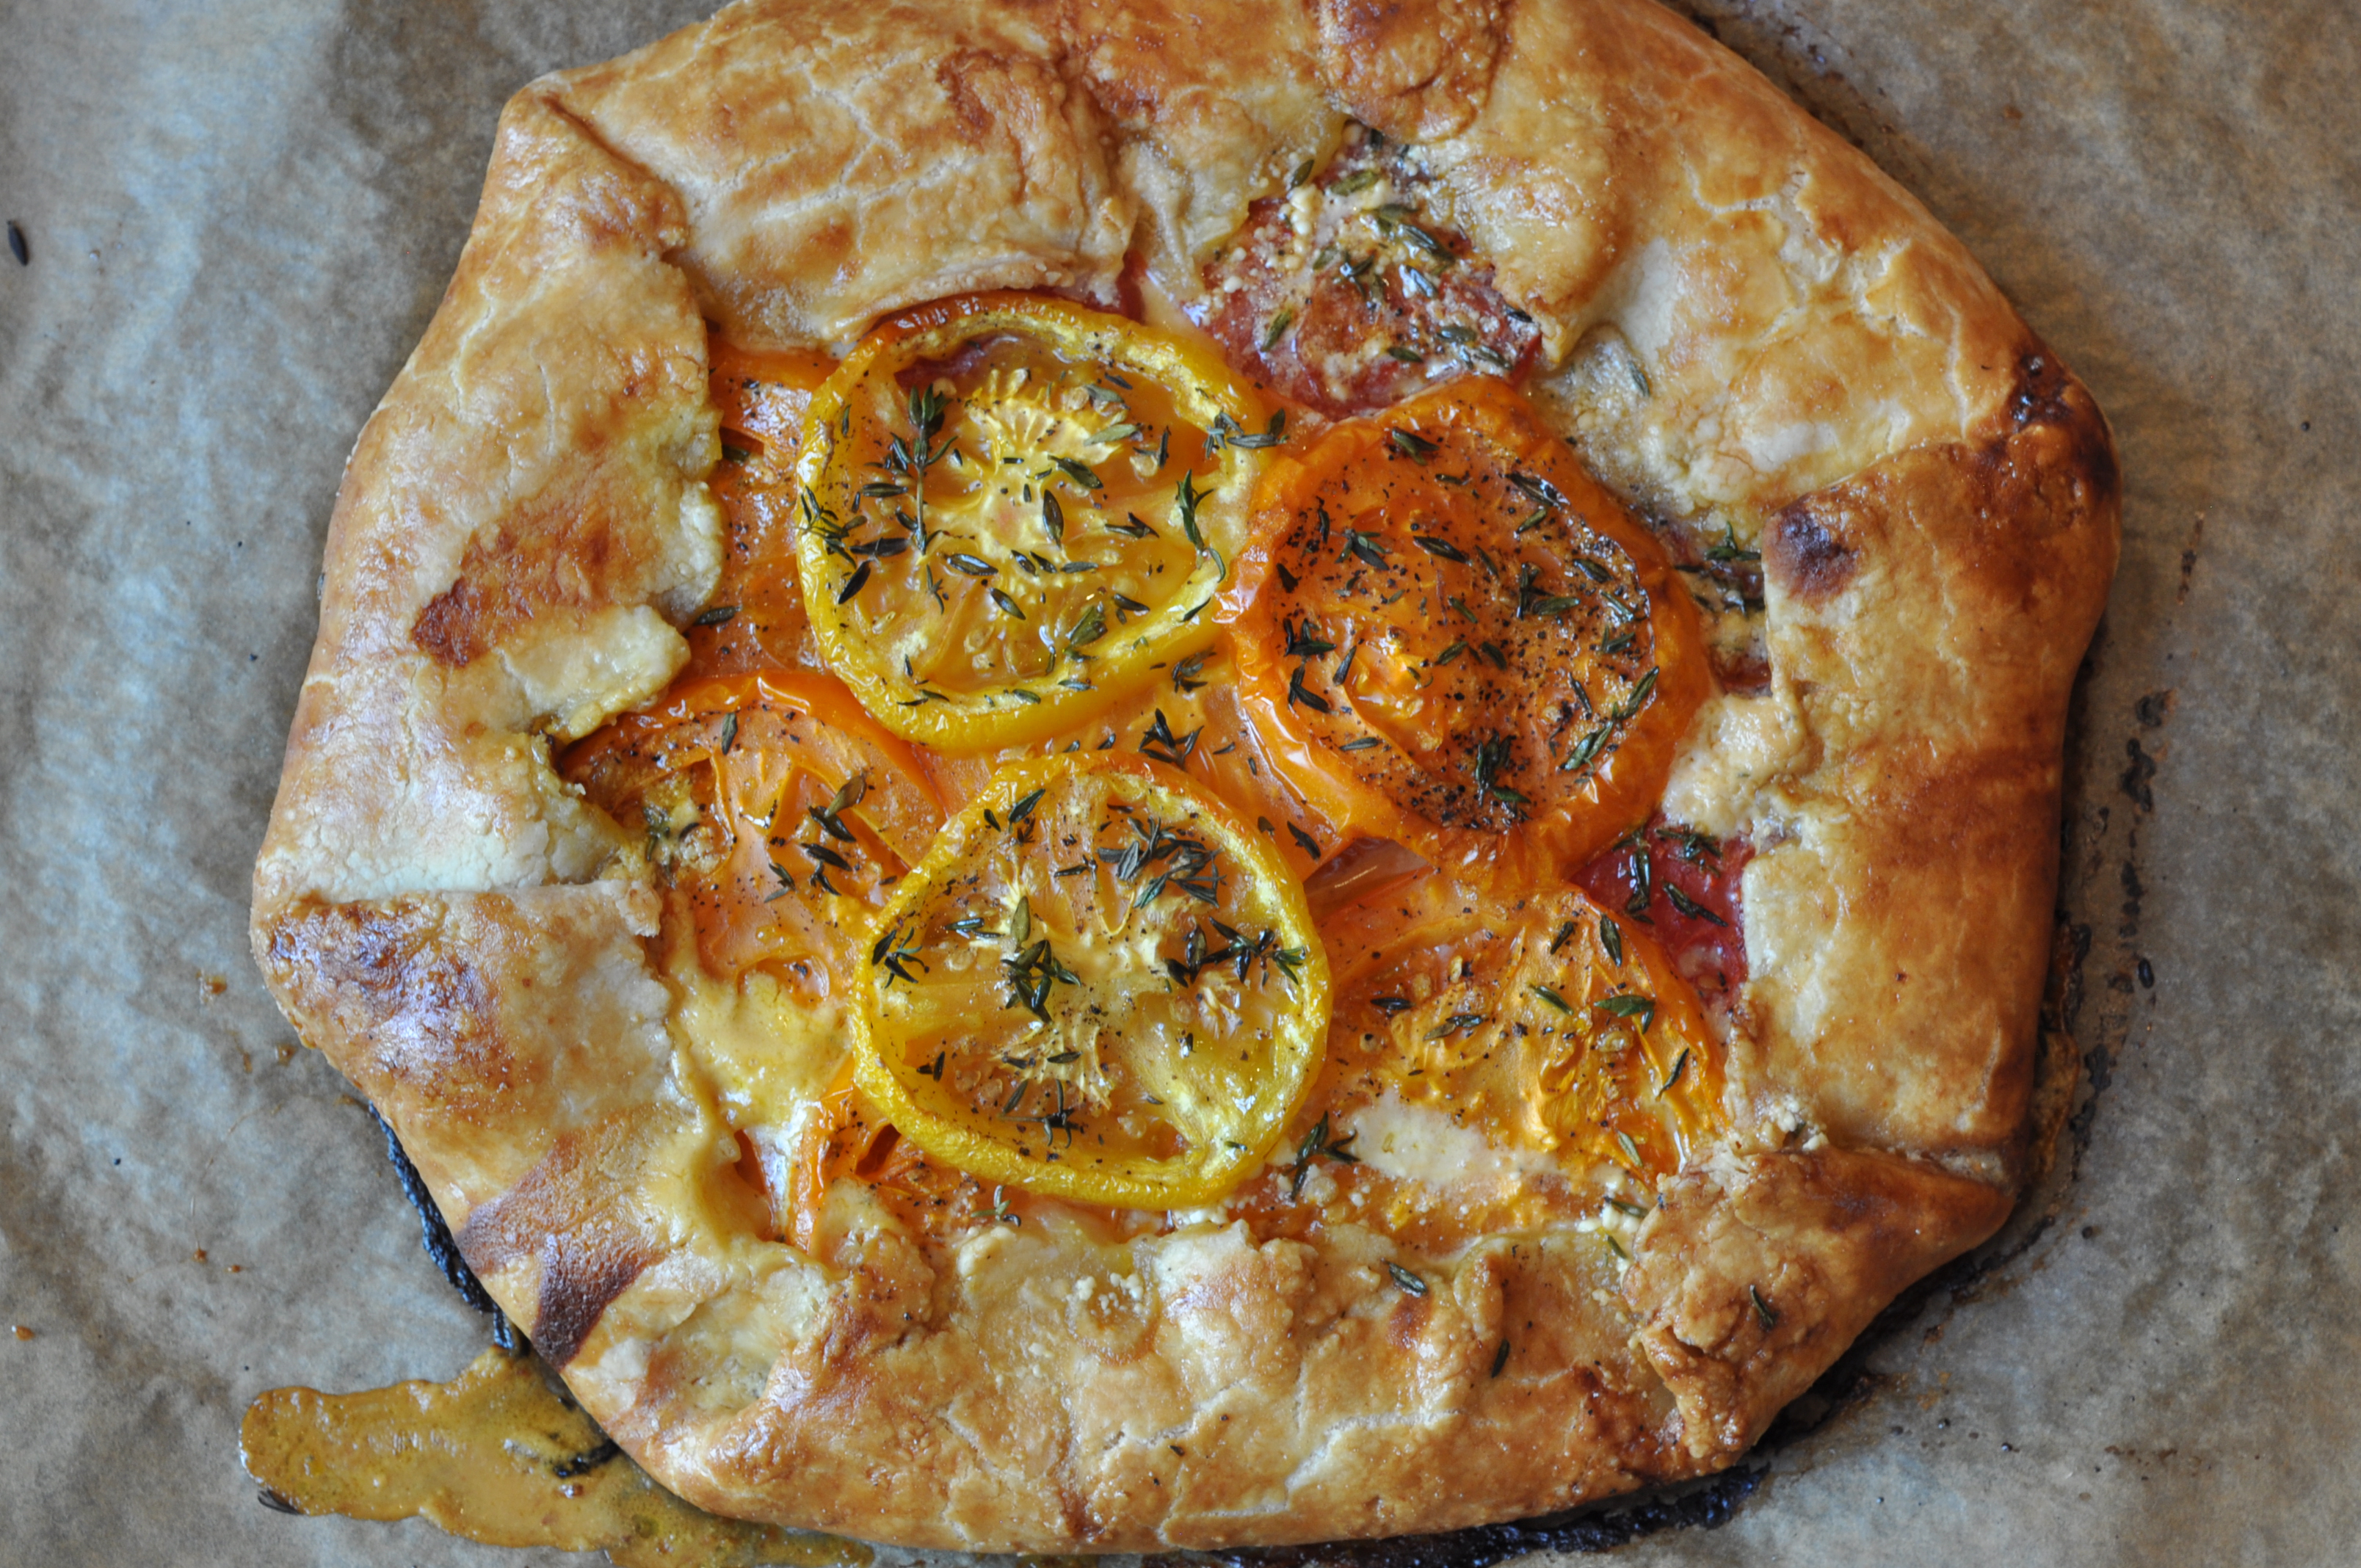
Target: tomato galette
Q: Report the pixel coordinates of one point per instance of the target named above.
(1183, 773)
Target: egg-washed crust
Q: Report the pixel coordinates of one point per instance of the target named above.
(522, 530)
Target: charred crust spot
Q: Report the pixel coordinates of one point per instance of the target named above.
(2041, 391)
(580, 1277)
(1801, 554)
(2049, 401)
(567, 1212)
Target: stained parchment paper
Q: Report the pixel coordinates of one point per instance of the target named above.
(240, 214)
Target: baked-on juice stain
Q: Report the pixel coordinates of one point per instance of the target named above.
(498, 1454)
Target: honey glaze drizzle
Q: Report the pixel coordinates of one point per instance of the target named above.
(498, 1455)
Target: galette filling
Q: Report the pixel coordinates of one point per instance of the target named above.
(1144, 775)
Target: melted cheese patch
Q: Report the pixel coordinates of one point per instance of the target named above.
(770, 1053)
(1735, 747)
(1415, 1144)
(602, 664)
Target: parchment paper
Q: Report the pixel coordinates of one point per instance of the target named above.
(241, 213)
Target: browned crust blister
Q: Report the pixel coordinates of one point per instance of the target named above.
(522, 530)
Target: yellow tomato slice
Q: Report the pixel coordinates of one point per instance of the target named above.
(1098, 985)
(1454, 639)
(775, 806)
(1548, 1025)
(1012, 507)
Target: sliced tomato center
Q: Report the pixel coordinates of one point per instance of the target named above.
(1350, 291)
(1684, 887)
(1554, 1027)
(1465, 641)
(1189, 718)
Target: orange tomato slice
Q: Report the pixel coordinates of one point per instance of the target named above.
(775, 806)
(754, 618)
(1549, 1025)
(1452, 637)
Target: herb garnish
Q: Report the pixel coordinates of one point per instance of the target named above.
(1411, 445)
(1160, 743)
(890, 953)
(1491, 757)
(1316, 1144)
(1088, 629)
(1186, 497)
(1305, 643)
(1077, 473)
(1644, 1008)
(1539, 490)
(831, 816)
(1692, 908)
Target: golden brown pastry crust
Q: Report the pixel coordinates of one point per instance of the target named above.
(522, 527)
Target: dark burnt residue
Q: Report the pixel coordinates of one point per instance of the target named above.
(2041, 391)
(437, 1233)
(2138, 775)
(1596, 1528)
